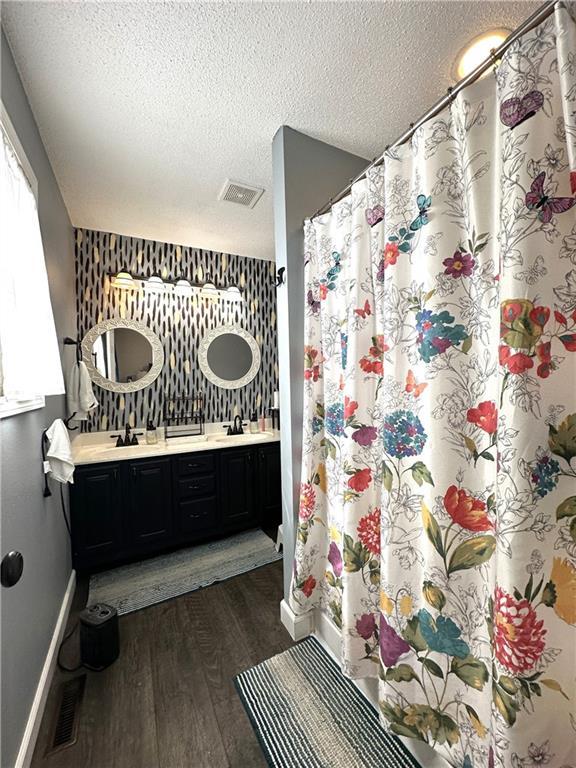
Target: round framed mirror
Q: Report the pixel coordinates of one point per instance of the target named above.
(229, 357)
(122, 355)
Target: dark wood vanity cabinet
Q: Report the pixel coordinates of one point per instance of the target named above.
(97, 533)
(148, 514)
(268, 486)
(237, 468)
(128, 509)
(197, 506)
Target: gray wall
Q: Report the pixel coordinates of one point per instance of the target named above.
(29, 522)
(307, 172)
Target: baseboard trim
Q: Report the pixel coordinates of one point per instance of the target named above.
(28, 743)
(298, 626)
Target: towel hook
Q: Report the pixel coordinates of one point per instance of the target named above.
(67, 422)
(76, 343)
(46, 492)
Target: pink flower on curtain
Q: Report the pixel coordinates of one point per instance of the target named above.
(366, 626)
(392, 646)
(518, 635)
(459, 265)
(365, 435)
(335, 559)
(369, 531)
(307, 501)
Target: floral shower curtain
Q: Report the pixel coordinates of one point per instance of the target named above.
(437, 521)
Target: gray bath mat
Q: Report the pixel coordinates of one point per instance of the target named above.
(131, 587)
(306, 713)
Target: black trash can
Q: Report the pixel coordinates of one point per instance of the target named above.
(99, 636)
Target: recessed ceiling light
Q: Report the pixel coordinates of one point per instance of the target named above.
(478, 51)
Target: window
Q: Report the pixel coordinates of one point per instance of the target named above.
(30, 365)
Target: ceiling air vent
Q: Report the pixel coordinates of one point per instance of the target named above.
(241, 194)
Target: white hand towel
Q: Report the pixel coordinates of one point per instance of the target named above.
(59, 454)
(79, 393)
(88, 401)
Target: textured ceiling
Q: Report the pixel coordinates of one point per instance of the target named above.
(146, 108)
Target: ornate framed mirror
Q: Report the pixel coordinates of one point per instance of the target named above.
(229, 356)
(122, 355)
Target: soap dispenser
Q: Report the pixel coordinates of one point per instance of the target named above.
(151, 434)
(253, 423)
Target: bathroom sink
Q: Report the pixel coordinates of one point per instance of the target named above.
(179, 443)
(245, 438)
(101, 452)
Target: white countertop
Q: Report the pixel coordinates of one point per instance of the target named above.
(99, 447)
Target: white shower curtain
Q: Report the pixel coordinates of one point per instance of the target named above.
(437, 521)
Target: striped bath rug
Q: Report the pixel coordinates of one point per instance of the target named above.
(138, 585)
(307, 714)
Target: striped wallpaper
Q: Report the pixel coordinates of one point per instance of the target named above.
(179, 322)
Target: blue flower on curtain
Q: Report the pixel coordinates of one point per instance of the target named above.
(335, 419)
(436, 334)
(442, 635)
(403, 434)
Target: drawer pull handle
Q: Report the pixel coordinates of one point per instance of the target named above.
(193, 466)
(193, 487)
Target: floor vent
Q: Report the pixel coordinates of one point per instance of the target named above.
(65, 730)
(241, 194)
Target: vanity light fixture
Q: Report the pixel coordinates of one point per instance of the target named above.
(179, 287)
(232, 293)
(209, 291)
(183, 287)
(479, 49)
(154, 284)
(123, 280)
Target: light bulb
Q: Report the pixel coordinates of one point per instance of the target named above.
(478, 51)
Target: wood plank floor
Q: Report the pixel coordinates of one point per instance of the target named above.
(169, 701)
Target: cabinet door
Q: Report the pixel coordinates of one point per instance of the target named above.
(197, 516)
(96, 501)
(239, 509)
(269, 485)
(149, 495)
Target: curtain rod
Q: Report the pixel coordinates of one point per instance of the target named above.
(536, 18)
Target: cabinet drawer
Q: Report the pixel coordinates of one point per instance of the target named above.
(197, 515)
(195, 465)
(197, 486)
